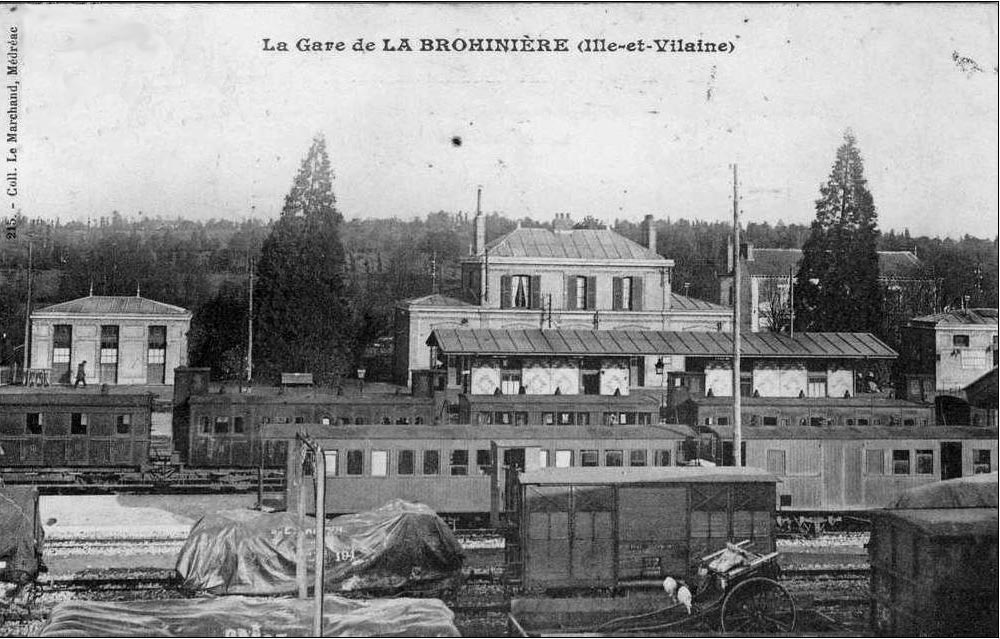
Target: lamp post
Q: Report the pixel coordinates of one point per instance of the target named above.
(361, 380)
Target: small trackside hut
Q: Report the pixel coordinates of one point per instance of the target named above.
(618, 528)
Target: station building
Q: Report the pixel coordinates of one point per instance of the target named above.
(559, 279)
(122, 339)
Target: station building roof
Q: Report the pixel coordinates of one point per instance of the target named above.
(511, 342)
(575, 244)
(113, 305)
(775, 262)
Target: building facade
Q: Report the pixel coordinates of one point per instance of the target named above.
(565, 278)
(766, 276)
(120, 340)
(945, 352)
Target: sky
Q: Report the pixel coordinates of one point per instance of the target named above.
(176, 110)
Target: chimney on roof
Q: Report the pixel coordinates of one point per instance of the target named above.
(479, 226)
(562, 223)
(650, 233)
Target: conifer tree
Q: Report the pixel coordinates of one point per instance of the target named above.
(300, 320)
(837, 286)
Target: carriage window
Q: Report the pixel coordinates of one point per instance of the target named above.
(380, 463)
(637, 458)
(355, 462)
(583, 419)
(358, 421)
(816, 421)
(588, 458)
(221, 425)
(722, 421)
(543, 458)
(862, 421)
(776, 462)
(564, 458)
(238, 424)
(432, 462)
(33, 423)
(925, 462)
(404, 462)
(661, 457)
(300, 420)
(418, 420)
(981, 461)
(520, 418)
(484, 418)
(770, 420)
(459, 462)
(78, 424)
(613, 458)
(909, 422)
(503, 418)
(123, 424)
(386, 421)
(548, 418)
(565, 419)
(330, 457)
(874, 462)
(849, 421)
(403, 421)
(484, 460)
(900, 462)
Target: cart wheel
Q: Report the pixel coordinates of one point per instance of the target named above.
(758, 605)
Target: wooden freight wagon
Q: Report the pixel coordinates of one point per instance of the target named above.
(934, 569)
(604, 527)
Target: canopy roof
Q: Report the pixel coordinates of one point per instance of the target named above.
(623, 343)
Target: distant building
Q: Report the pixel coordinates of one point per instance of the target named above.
(982, 396)
(578, 279)
(123, 339)
(943, 354)
(767, 272)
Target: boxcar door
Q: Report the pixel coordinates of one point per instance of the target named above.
(592, 546)
(652, 531)
(547, 556)
(951, 460)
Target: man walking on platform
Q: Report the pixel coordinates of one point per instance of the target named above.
(81, 377)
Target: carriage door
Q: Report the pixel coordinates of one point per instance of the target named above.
(833, 475)
(853, 491)
(951, 460)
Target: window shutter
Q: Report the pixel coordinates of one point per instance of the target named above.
(570, 293)
(536, 291)
(637, 293)
(591, 293)
(505, 291)
(616, 293)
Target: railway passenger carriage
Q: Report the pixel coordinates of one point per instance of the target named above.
(807, 411)
(845, 469)
(456, 470)
(59, 434)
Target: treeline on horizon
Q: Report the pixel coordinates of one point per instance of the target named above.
(203, 266)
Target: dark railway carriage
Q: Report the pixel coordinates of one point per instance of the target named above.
(54, 432)
(597, 527)
(560, 410)
(845, 469)
(859, 410)
(224, 428)
(453, 469)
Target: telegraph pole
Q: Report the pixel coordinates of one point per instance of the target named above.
(27, 324)
(250, 324)
(737, 409)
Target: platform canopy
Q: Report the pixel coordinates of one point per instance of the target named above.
(583, 343)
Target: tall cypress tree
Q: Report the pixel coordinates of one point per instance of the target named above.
(300, 317)
(837, 286)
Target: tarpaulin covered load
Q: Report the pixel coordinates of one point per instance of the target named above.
(977, 491)
(250, 617)
(400, 547)
(21, 534)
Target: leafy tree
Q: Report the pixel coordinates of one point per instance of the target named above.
(301, 315)
(837, 286)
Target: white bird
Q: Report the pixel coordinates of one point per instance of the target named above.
(670, 586)
(684, 597)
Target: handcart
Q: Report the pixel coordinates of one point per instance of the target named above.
(733, 590)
